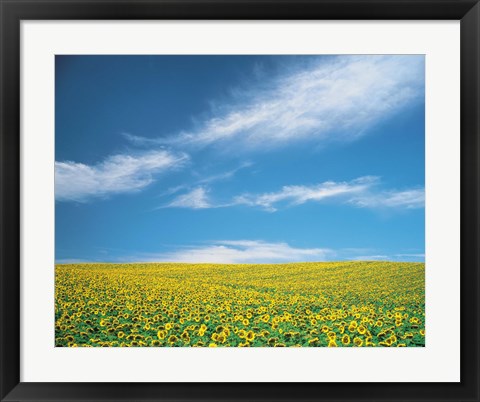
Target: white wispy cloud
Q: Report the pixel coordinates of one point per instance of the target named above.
(142, 141)
(361, 192)
(239, 251)
(376, 257)
(297, 195)
(338, 99)
(418, 255)
(123, 173)
(195, 199)
(414, 198)
(225, 175)
(250, 252)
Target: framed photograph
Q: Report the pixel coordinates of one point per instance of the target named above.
(239, 200)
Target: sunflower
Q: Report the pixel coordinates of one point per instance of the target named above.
(146, 305)
(313, 341)
(272, 341)
(357, 341)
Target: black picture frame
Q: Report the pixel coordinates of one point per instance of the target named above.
(12, 12)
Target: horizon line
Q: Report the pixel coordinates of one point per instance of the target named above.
(228, 263)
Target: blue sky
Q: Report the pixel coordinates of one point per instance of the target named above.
(242, 159)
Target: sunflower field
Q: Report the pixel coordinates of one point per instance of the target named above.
(328, 304)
